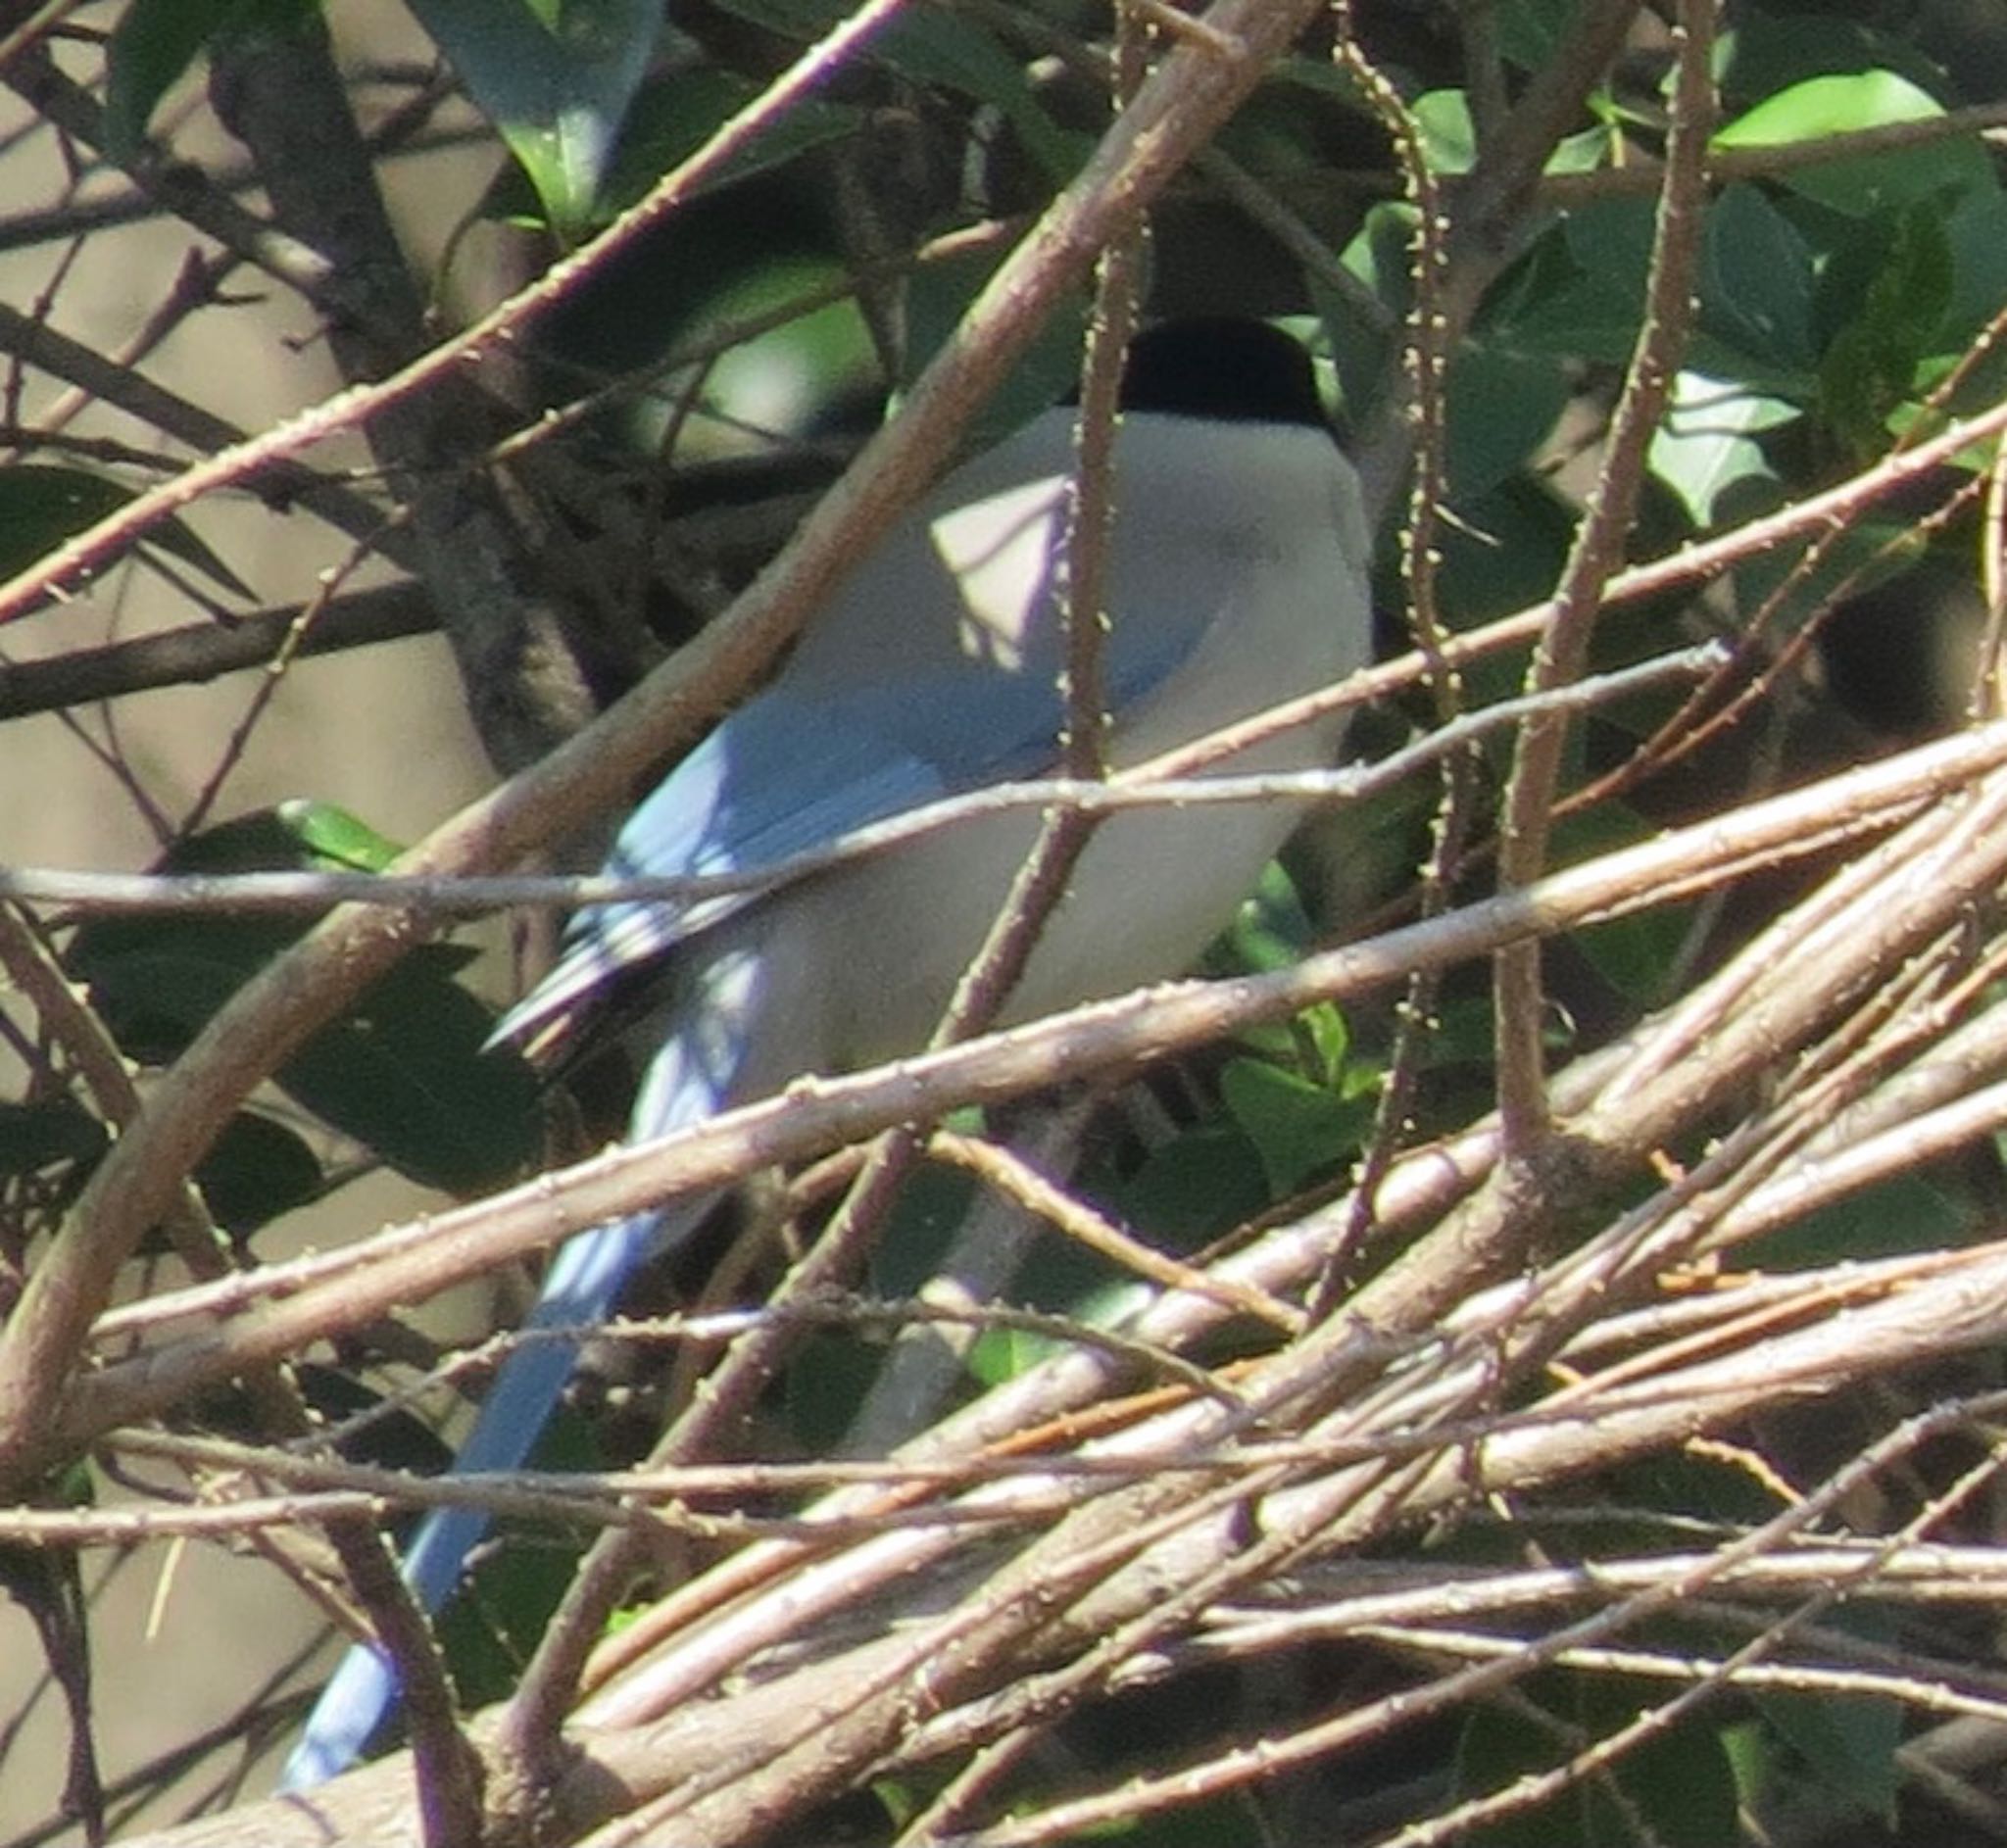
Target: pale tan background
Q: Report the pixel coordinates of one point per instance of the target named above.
(382, 731)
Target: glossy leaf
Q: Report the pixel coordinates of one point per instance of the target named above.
(1706, 447)
(1449, 140)
(556, 77)
(1860, 184)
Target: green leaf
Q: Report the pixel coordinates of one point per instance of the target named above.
(1193, 1188)
(1860, 184)
(1299, 1129)
(1504, 550)
(155, 41)
(1532, 33)
(1594, 314)
(1976, 234)
(1870, 366)
(1502, 406)
(675, 115)
(1850, 564)
(330, 838)
(936, 297)
(1756, 285)
(1588, 151)
(556, 77)
(258, 1170)
(158, 979)
(1270, 931)
(405, 1072)
(932, 46)
(1704, 448)
(1829, 106)
(786, 379)
(53, 1142)
(1680, 1781)
(1450, 139)
(1358, 341)
(1634, 954)
(42, 505)
(1902, 1216)
(489, 1632)
(1848, 1744)
(48, 1133)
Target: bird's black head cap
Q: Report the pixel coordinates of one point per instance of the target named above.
(1233, 371)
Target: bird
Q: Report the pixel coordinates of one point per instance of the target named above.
(1237, 577)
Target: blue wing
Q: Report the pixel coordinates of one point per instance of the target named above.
(783, 777)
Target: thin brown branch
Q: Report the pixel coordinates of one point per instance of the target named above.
(1518, 990)
(35, 343)
(201, 652)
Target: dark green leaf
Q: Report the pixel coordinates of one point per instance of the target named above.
(1847, 1744)
(1756, 281)
(405, 1072)
(1976, 234)
(48, 1133)
(40, 507)
(1634, 954)
(1871, 363)
(392, 1435)
(155, 41)
(156, 980)
(1359, 341)
(1502, 407)
(936, 297)
(556, 77)
(490, 1630)
(1594, 316)
(1901, 1217)
(675, 115)
(1681, 1780)
(1868, 553)
(1531, 31)
(932, 46)
(1769, 50)
(257, 1170)
(1193, 1188)
(1503, 551)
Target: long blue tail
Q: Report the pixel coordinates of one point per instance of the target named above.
(583, 1286)
(686, 1082)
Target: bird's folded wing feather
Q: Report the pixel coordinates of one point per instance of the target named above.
(781, 778)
